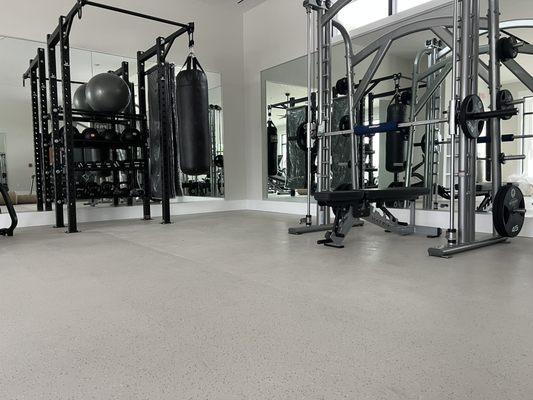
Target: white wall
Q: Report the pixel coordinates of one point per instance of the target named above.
(219, 40)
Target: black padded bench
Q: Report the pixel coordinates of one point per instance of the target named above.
(350, 205)
(371, 195)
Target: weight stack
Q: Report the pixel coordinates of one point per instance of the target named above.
(154, 125)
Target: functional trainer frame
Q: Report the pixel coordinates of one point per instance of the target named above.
(465, 67)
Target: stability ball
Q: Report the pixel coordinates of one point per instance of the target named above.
(107, 92)
(79, 100)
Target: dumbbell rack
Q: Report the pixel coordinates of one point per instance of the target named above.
(54, 148)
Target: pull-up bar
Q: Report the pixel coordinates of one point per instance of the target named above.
(133, 13)
(78, 7)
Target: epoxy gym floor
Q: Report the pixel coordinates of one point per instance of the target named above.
(228, 306)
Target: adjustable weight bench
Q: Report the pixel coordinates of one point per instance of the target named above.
(350, 205)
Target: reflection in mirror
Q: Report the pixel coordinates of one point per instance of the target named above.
(17, 162)
(285, 98)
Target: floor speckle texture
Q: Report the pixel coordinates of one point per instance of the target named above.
(228, 306)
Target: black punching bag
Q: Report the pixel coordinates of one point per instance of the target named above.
(395, 145)
(272, 137)
(193, 118)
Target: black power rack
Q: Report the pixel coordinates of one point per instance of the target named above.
(55, 167)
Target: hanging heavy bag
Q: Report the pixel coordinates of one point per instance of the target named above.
(193, 118)
(272, 137)
(395, 142)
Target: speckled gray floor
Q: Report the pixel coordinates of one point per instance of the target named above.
(228, 306)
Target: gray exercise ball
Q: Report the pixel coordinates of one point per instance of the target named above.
(79, 100)
(107, 92)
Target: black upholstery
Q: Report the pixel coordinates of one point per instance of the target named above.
(371, 195)
(339, 197)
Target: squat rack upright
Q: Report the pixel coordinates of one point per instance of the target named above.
(61, 174)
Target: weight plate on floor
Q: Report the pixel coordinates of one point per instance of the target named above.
(508, 211)
(471, 127)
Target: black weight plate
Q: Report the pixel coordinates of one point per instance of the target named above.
(497, 210)
(471, 127)
(504, 100)
(506, 49)
(75, 131)
(90, 134)
(219, 161)
(507, 221)
(342, 86)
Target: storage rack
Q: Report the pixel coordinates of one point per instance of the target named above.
(57, 179)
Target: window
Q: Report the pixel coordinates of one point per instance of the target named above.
(403, 5)
(363, 12)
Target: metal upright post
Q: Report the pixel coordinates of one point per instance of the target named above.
(37, 140)
(321, 210)
(163, 118)
(310, 111)
(474, 77)
(355, 170)
(324, 109)
(145, 149)
(452, 232)
(370, 144)
(494, 78)
(430, 134)
(213, 169)
(466, 230)
(412, 118)
(45, 135)
(132, 151)
(328, 99)
(70, 174)
(57, 140)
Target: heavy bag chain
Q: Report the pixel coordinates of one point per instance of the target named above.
(192, 62)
